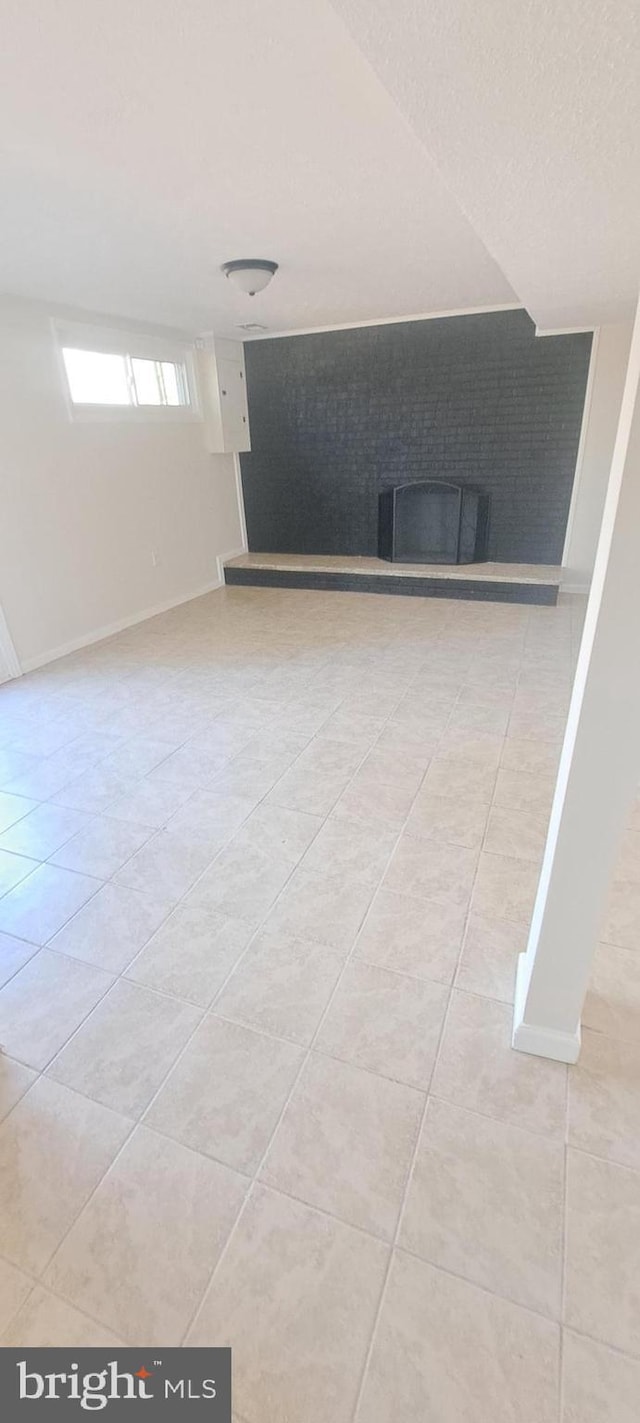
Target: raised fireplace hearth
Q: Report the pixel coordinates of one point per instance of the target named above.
(487, 582)
(433, 522)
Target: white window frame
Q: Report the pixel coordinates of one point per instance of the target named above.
(131, 345)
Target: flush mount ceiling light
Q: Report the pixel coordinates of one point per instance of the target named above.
(250, 274)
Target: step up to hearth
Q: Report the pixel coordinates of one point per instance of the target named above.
(490, 582)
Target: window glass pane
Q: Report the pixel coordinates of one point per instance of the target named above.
(145, 375)
(96, 378)
(172, 385)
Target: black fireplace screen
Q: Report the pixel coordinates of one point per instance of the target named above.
(433, 522)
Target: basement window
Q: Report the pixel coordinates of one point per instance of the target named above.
(117, 375)
(159, 382)
(96, 378)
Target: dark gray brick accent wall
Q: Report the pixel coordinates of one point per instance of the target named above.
(338, 416)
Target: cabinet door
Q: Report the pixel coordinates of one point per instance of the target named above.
(233, 404)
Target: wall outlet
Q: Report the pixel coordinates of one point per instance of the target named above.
(155, 558)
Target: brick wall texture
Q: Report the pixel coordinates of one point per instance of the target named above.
(338, 416)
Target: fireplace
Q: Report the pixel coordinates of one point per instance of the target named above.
(433, 522)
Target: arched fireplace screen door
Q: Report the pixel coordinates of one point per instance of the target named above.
(433, 522)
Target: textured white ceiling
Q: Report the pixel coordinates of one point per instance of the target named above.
(147, 141)
(531, 111)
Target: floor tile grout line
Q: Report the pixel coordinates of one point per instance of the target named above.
(603, 1343)
(487, 1116)
(417, 1143)
(411, 1167)
(135, 1123)
(553, 1320)
(258, 929)
(393, 1244)
(304, 1060)
(37, 1280)
(563, 1219)
(563, 1276)
(41, 865)
(125, 740)
(60, 1243)
(131, 889)
(564, 1211)
(50, 944)
(38, 1285)
(320, 1051)
(43, 1071)
(140, 1120)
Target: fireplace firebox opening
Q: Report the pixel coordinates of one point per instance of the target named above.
(433, 522)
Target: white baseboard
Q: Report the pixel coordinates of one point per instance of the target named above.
(542, 1042)
(9, 664)
(99, 634)
(547, 1042)
(237, 475)
(566, 586)
(226, 558)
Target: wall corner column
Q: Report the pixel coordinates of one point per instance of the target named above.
(599, 766)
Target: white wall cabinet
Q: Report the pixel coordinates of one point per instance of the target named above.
(223, 394)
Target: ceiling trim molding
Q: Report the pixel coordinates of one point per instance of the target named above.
(577, 475)
(564, 330)
(389, 321)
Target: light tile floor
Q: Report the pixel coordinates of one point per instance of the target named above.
(266, 863)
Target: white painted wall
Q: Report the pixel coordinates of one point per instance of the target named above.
(84, 504)
(599, 765)
(602, 408)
